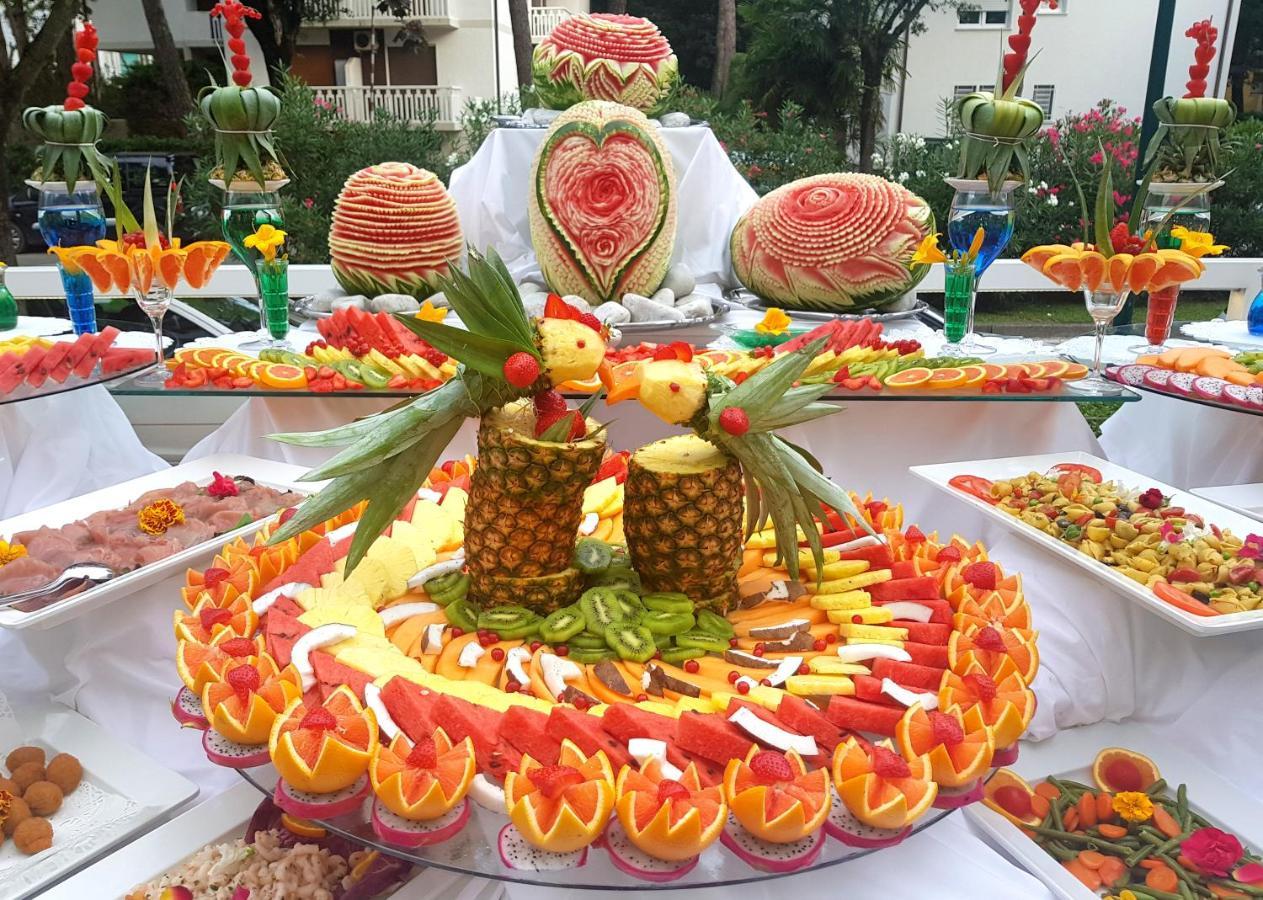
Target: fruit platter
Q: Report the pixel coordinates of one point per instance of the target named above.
(1190, 561)
(559, 663)
(1091, 820)
(39, 367)
(1207, 375)
(140, 531)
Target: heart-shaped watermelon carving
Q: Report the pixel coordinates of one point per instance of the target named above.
(602, 205)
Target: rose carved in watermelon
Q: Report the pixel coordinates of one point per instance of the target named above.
(602, 203)
(604, 57)
(833, 242)
(394, 231)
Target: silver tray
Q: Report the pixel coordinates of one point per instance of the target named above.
(747, 298)
(721, 308)
(302, 309)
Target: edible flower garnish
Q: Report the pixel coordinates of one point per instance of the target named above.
(222, 486)
(1252, 548)
(774, 322)
(1197, 243)
(1212, 851)
(1151, 499)
(160, 515)
(929, 252)
(1133, 806)
(267, 240)
(10, 552)
(1169, 533)
(431, 313)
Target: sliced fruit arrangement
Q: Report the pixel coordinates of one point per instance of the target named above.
(32, 362)
(1192, 564)
(1123, 830)
(633, 716)
(1080, 266)
(1206, 374)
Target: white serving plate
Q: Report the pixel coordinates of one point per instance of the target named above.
(1246, 499)
(268, 472)
(1069, 755)
(1009, 467)
(109, 765)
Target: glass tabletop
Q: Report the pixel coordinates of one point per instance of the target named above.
(50, 387)
(474, 851)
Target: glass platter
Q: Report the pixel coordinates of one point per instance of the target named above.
(752, 300)
(1200, 401)
(473, 851)
(51, 388)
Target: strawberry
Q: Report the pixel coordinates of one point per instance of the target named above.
(914, 535)
(669, 790)
(949, 554)
(244, 680)
(735, 421)
(239, 647)
(521, 370)
(424, 754)
(211, 616)
(556, 308)
(319, 719)
(771, 767)
(549, 402)
(578, 428)
(983, 685)
(552, 781)
(989, 639)
(947, 730)
(888, 764)
(591, 321)
(982, 575)
(213, 576)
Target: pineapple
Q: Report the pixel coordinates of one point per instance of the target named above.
(682, 515)
(543, 594)
(525, 504)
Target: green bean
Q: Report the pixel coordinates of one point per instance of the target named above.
(1157, 787)
(1060, 851)
(1086, 839)
(1181, 805)
(1243, 888)
(1054, 810)
(1142, 889)
(1064, 783)
(1186, 892)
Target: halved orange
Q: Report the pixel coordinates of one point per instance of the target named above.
(588, 386)
(1116, 270)
(991, 608)
(422, 781)
(283, 377)
(563, 807)
(988, 648)
(246, 715)
(917, 376)
(198, 663)
(957, 754)
(1008, 794)
(325, 748)
(946, 379)
(201, 260)
(673, 819)
(779, 810)
(881, 788)
(1005, 706)
(207, 620)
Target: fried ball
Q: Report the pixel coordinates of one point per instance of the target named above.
(23, 755)
(43, 797)
(33, 835)
(27, 774)
(7, 784)
(18, 813)
(64, 771)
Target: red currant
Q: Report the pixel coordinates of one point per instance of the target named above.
(831, 638)
(563, 650)
(804, 669)
(743, 687)
(819, 645)
(497, 654)
(458, 632)
(512, 687)
(641, 698)
(691, 665)
(733, 642)
(733, 676)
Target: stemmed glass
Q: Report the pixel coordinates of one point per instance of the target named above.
(73, 218)
(974, 206)
(155, 272)
(1194, 214)
(1103, 306)
(244, 213)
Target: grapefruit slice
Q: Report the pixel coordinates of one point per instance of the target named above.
(946, 379)
(1142, 270)
(974, 375)
(1053, 368)
(1095, 269)
(1064, 269)
(917, 376)
(1073, 372)
(1116, 270)
(325, 748)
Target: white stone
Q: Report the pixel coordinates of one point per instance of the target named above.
(539, 116)
(354, 301)
(394, 303)
(643, 309)
(534, 304)
(526, 288)
(679, 280)
(697, 307)
(612, 313)
(323, 301)
(439, 300)
(578, 302)
(675, 120)
(665, 296)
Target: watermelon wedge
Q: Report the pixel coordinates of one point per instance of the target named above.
(319, 560)
(526, 730)
(909, 675)
(281, 631)
(859, 715)
(797, 714)
(587, 734)
(711, 736)
(868, 689)
(411, 706)
(330, 673)
(51, 363)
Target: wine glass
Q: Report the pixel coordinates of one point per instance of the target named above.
(1103, 306)
(974, 206)
(73, 218)
(154, 303)
(1193, 215)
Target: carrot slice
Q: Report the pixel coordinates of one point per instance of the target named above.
(1166, 822)
(1113, 832)
(1104, 807)
(1091, 858)
(1182, 600)
(1087, 810)
(1070, 819)
(1048, 790)
(1151, 864)
(1227, 893)
(1091, 880)
(1040, 805)
(1162, 879)
(1112, 871)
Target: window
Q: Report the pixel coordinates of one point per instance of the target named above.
(982, 18)
(963, 90)
(1042, 94)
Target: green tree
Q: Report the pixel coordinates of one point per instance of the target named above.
(832, 57)
(1247, 50)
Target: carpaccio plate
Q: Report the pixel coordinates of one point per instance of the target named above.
(283, 476)
(995, 469)
(1203, 389)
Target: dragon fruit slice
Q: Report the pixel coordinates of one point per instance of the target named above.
(843, 826)
(1209, 388)
(1005, 757)
(187, 709)
(1254, 394)
(1157, 378)
(768, 857)
(230, 754)
(635, 862)
(517, 853)
(955, 798)
(1238, 395)
(395, 828)
(320, 806)
(1182, 383)
(1133, 375)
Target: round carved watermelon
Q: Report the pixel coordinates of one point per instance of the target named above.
(605, 57)
(602, 203)
(394, 231)
(834, 242)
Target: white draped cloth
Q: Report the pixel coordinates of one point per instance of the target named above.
(491, 191)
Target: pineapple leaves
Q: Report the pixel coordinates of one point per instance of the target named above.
(478, 351)
(766, 389)
(343, 435)
(487, 301)
(1104, 212)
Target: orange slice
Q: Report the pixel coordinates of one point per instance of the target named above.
(1095, 269)
(283, 377)
(946, 379)
(974, 375)
(917, 376)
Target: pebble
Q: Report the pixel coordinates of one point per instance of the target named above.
(578, 302)
(679, 280)
(534, 304)
(439, 300)
(394, 303)
(539, 116)
(695, 306)
(526, 288)
(645, 310)
(354, 301)
(675, 120)
(612, 313)
(323, 301)
(665, 296)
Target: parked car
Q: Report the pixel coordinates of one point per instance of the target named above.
(24, 235)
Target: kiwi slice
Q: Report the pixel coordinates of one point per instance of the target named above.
(509, 622)
(591, 655)
(634, 642)
(713, 623)
(562, 624)
(462, 614)
(446, 588)
(600, 609)
(667, 623)
(677, 655)
(702, 641)
(668, 602)
(633, 609)
(586, 641)
(592, 556)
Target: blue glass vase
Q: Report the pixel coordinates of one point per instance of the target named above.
(73, 219)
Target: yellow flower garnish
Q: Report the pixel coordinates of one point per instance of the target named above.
(1133, 806)
(929, 252)
(431, 313)
(1197, 243)
(160, 515)
(267, 240)
(10, 552)
(774, 322)
(976, 244)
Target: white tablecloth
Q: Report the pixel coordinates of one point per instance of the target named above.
(491, 190)
(1185, 444)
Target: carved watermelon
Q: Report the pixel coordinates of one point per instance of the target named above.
(832, 242)
(602, 203)
(605, 57)
(394, 231)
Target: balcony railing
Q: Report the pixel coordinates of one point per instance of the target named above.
(544, 19)
(409, 102)
(330, 10)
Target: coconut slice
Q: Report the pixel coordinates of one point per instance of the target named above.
(470, 654)
(787, 667)
(345, 531)
(609, 676)
(644, 749)
(513, 661)
(909, 610)
(373, 699)
(860, 652)
(742, 658)
(556, 670)
(321, 636)
(781, 631)
(589, 523)
(432, 642)
(393, 615)
(447, 566)
(266, 601)
(800, 640)
(771, 735)
(902, 695)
